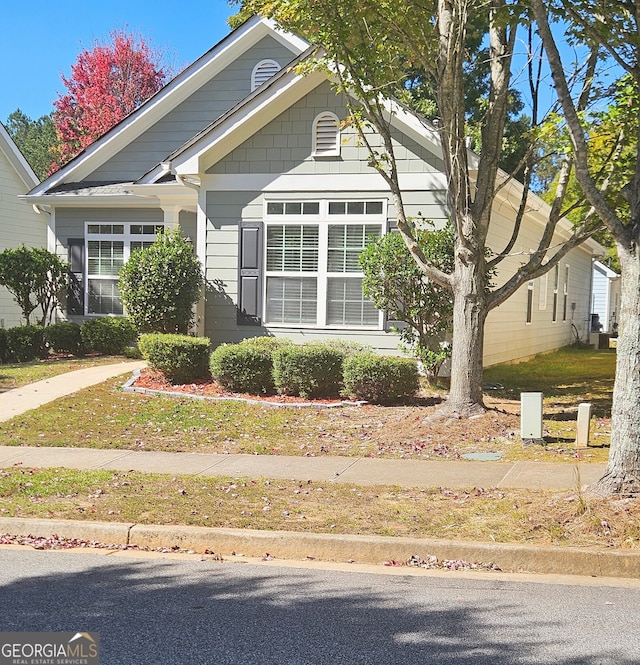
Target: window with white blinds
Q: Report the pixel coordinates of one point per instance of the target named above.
(326, 135)
(262, 72)
(107, 247)
(312, 274)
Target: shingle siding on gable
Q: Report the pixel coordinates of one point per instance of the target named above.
(203, 107)
(285, 145)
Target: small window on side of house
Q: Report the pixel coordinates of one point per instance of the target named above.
(326, 135)
(530, 301)
(262, 72)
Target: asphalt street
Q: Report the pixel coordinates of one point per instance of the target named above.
(191, 611)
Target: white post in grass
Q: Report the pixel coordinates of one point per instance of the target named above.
(584, 424)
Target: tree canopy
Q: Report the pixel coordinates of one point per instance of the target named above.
(604, 147)
(107, 82)
(36, 140)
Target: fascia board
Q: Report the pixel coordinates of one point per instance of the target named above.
(605, 270)
(419, 129)
(17, 159)
(175, 92)
(244, 123)
(538, 212)
(88, 201)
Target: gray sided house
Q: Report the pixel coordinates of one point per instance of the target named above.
(255, 162)
(19, 222)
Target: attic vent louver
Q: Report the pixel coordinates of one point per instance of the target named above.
(262, 72)
(326, 135)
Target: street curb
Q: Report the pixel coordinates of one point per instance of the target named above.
(337, 548)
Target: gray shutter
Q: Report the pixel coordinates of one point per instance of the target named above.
(75, 295)
(249, 277)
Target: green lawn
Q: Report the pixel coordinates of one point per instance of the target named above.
(105, 416)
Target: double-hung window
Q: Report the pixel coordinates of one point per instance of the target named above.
(313, 276)
(108, 246)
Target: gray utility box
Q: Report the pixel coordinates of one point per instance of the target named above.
(531, 416)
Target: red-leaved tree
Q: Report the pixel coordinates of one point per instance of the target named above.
(107, 83)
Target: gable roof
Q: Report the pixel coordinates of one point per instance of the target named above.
(17, 159)
(168, 98)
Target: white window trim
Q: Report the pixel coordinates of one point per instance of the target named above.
(544, 287)
(565, 292)
(555, 302)
(333, 151)
(529, 303)
(270, 65)
(323, 220)
(127, 238)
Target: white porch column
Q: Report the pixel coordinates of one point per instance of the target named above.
(171, 216)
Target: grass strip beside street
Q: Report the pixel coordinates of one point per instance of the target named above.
(481, 514)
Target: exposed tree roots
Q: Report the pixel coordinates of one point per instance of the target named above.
(614, 484)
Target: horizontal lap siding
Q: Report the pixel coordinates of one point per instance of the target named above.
(284, 147)
(70, 223)
(19, 224)
(191, 116)
(508, 336)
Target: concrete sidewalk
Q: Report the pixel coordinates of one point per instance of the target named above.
(19, 400)
(323, 547)
(360, 471)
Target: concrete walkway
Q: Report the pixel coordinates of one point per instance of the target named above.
(362, 471)
(19, 400)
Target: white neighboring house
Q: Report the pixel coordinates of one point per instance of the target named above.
(605, 299)
(252, 159)
(19, 222)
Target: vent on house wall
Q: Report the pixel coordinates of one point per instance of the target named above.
(326, 135)
(262, 72)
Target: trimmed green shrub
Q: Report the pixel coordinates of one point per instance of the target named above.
(160, 285)
(4, 346)
(132, 352)
(26, 343)
(380, 379)
(108, 334)
(64, 337)
(180, 358)
(269, 344)
(311, 370)
(243, 368)
(347, 347)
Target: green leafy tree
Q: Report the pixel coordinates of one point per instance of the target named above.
(36, 139)
(160, 285)
(610, 33)
(35, 278)
(397, 286)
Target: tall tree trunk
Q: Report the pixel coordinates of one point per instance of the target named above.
(622, 475)
(469, 317)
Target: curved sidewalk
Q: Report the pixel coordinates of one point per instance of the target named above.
(19, 400)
